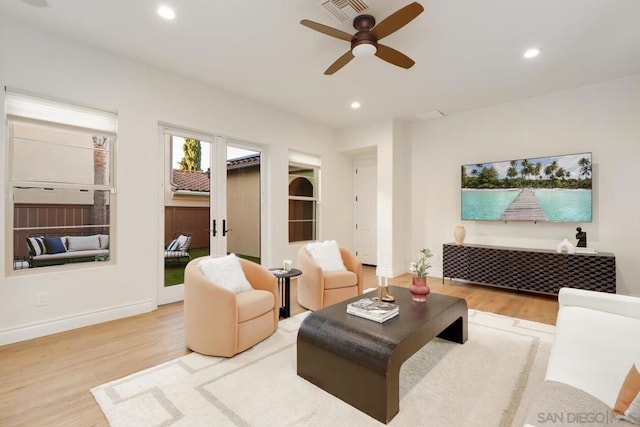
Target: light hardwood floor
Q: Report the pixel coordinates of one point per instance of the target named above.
(46, 381)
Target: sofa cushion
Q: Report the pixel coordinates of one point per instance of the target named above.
(604, 337)
(104, 241)
(326, 255)
(72, 255)
(339, 279)
(254, 304)
(83, 243)
(628, 404)
(558, 404)
(54, 245)
(225, 272)
(36, 246)
(176, 254)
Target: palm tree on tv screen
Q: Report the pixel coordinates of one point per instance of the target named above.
(512, 171)
(585, 167)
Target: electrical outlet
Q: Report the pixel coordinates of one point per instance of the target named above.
(42, 298)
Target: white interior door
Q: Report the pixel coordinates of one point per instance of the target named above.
(366, 189)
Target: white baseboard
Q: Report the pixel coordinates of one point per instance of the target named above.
(67, 323)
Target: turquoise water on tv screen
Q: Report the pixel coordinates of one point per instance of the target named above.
(486, 204)
(558, 205)
(565, 205)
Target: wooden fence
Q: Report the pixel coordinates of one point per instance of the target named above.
(39, 217)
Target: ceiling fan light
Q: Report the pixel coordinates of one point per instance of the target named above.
(531, 52)
(166, 12)
(364, 49)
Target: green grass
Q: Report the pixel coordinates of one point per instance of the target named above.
(174, 270)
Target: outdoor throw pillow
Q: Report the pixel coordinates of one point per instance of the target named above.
(225, 272)
(172, 245)
(182, 243)
(326, 255)
(54, 245)
(35, 245)
(83, 243)
(627, 406)
(104, 241)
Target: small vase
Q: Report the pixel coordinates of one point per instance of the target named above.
(459, 233)
(419, 289)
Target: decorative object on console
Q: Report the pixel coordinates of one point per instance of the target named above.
(566, 246)
(582, 238)
(419, 288)
(459, 233)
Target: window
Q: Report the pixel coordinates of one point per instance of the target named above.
(304, 172)
(61, 169)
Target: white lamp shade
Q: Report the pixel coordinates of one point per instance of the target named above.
(364, 49)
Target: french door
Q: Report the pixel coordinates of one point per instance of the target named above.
(212, 194)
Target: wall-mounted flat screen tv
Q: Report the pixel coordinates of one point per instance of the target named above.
(553, 189)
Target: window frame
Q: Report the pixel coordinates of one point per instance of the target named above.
(316, 168)
(15, 263)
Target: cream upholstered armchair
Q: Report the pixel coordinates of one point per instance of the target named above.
(220, 322)
(318, 288)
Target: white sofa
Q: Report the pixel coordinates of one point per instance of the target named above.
(597, 340)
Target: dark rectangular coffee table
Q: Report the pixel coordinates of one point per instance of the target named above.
(359, 360)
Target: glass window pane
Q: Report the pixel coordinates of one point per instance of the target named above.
(301, 181)
(302, 210)
(302, 231)
(79, 218)
(43, 153)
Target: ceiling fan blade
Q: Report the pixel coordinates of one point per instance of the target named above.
(339, 63)
(325, 29)
(394, 57)
(396, 20)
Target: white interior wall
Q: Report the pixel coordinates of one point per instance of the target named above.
(377, 137)
(44, 63)
(401, 197)
(603, 119)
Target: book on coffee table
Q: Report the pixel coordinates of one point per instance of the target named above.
(372, 309)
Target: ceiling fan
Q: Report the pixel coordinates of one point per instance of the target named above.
(365, 40)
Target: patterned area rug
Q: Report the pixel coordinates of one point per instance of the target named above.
(488, 381)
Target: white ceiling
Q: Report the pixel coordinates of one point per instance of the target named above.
(468, 53)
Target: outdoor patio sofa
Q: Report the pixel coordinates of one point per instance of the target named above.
(65, 249)
(179, 248)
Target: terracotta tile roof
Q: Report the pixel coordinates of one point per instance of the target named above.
(199, 181)
(190, 180)
(244, 162)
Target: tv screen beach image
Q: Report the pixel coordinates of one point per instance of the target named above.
(554, 189)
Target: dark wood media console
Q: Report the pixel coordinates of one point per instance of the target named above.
(532, 270)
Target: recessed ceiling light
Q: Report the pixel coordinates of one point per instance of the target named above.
(37, 3)
(166, 12)
(531, 53)
(355, 105)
